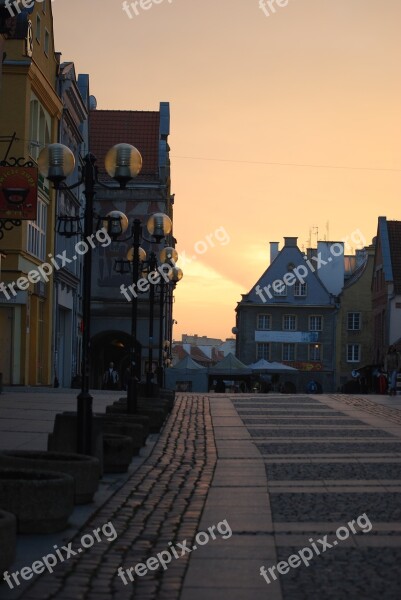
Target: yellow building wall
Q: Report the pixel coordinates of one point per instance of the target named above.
(31, 353)
(356, 298)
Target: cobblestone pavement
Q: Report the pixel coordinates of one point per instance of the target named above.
(284, 472)
(328, 460)
(161, 503)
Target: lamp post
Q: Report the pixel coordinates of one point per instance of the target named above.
(159, 226)
(56, 162)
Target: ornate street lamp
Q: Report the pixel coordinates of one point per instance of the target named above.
(159, 226)
(56, 162)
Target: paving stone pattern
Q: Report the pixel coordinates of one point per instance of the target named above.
(319, 471)
(161, 503)
(317, 483)
(345, 573)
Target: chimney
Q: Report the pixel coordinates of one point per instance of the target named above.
(273, 251)
(291, 242)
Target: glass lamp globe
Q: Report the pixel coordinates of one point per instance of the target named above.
(56, 162)
(159, 226)
(141, 254)
(123, 162)
(168, 255)
(175, 275)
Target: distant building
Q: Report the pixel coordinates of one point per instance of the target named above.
(354, 331)
(290, 318)
(386, 288)
(202, 349)
(148, 193)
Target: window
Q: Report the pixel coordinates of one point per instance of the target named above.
(39, 127)
(263, 351)
(315, 352)
(353, 353)
(289, 352)
(300, 289)
(47, 42)
(289, 322)
(264, 322)
(315, 323)
(36, 243)
(354, 321)
(279, 288)
(38, 28)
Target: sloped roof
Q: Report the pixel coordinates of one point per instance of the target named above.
(230, 364)
(265, 365)
(187, 364)
(139, 128)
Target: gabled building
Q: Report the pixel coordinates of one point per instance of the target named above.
(355, 319)
(148, 193)
(289, 315)
(386, 288)
(30, 112)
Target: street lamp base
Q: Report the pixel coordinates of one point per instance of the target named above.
(132, 396)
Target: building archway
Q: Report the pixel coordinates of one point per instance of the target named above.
(111, 346)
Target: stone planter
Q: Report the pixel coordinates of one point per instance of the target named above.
(156, 415)
(132, 430)
(64, 436)
(126, 418)
(117, 453)
(84, 469)
(42, 501)
(8, 539)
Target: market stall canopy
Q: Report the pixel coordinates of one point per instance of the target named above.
(230, 365)
(188, 364)
(187, 376)
(274, 367)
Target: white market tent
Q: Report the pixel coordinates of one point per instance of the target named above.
(230, 365)
(187, 375)
(272, 367)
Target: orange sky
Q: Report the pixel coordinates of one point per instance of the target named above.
(317, 83)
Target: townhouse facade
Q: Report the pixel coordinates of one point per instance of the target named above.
(355, 321)
(148, 193)
(30, 113)
(290, 318)
(386, 288)
(73, 133)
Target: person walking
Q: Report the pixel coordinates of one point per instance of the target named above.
(110, 378)
(392, 364)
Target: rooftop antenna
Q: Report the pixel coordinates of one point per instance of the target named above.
(315, 231)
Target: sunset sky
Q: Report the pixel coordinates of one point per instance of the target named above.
(279, 124)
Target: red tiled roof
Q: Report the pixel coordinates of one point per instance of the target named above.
(394, 236)
(141, 129)
(179, 352)
(199, 356)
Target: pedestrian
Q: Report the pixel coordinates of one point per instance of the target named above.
(110, 378)
(392, 364)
